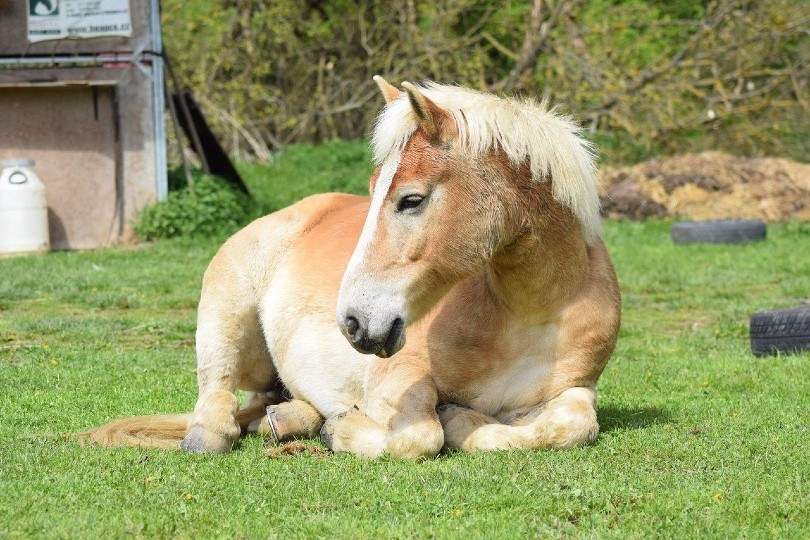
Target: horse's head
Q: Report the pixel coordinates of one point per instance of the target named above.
(462, 177)
(433, 220)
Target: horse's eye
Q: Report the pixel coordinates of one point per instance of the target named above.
(409, 202)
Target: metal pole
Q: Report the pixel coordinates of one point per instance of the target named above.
(159, 105)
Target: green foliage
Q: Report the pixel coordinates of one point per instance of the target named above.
(290, 71)
(211, 208)
(214, 208)
(300, 170)
(699, 439)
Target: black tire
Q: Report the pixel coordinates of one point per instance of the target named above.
(780, 330)
(729, 231)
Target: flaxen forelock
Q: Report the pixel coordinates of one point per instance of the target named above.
(525, 130)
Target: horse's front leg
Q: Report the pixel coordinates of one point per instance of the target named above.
(566, 421)
(398, 416)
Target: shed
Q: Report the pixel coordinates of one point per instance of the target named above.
(84, 98)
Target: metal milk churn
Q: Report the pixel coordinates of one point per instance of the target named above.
(23, 208)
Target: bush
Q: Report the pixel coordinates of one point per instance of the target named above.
(211, 208)
(648, 76)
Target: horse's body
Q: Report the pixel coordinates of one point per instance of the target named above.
(497, 275)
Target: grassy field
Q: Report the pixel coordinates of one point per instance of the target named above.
(699, 437)
(304, 169)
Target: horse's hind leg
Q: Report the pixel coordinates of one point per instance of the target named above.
(288, 420)
(231, 354)
(214, 428)
(564, 422)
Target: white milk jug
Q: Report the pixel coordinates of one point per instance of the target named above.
(23, 208)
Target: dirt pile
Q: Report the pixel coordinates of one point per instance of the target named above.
(710, 185)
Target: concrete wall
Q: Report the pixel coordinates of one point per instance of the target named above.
(90, 130)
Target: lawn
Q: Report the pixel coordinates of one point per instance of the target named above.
(699, 437)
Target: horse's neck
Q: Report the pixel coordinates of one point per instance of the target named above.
(537, 273)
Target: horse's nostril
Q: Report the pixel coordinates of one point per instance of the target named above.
(352, 325)
(393, 336)
(396, 327)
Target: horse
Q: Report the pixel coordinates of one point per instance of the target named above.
(470, 303)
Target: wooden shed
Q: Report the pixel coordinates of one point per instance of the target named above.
(83, 97)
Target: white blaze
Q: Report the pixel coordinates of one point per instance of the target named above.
(375, 300)
(381, 188)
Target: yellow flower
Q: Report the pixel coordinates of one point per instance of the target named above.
(718, 496)
(704, 384)
(46, 346)
(457, 512)
(189, 496)
(54, 361)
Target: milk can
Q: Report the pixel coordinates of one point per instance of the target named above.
(23, 208)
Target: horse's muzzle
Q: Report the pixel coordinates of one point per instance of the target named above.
(383, 344)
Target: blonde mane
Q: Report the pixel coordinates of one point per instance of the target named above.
(527, 131)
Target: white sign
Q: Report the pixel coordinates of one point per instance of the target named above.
(77, 19)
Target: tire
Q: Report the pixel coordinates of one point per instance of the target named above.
(729, 231)
(780, 330)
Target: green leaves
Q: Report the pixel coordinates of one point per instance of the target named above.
(212, 208)
(288, 71)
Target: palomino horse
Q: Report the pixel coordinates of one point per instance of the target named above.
(474, 279)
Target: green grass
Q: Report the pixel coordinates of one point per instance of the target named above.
(699, 438)
(302, 169)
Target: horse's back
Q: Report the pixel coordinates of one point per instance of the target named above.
(250, 256)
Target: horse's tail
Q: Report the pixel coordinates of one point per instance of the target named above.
(159, 431)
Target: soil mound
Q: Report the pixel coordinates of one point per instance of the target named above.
(709, 185)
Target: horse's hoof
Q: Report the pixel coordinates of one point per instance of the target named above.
(202, 441)
(272, 425)
(326, 434)
(328, 429)
(287, 422)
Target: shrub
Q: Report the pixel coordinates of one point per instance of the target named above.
(211, 208)
(649, 76)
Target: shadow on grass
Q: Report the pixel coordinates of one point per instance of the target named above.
(613, 418)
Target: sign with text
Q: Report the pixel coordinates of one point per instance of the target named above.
(77, 19)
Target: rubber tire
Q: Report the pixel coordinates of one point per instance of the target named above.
(780, 330)
(728, 231)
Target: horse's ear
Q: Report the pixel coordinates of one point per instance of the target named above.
(389, 91)
(434, 121)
